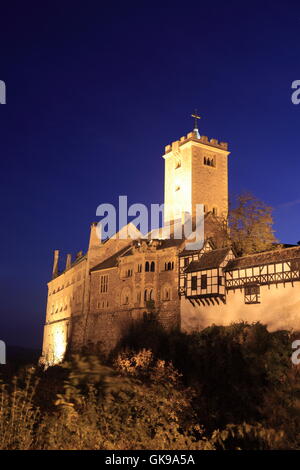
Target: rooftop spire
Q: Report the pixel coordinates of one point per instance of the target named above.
(196, 117)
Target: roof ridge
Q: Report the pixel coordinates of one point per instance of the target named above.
(276, 250)
(115, 255)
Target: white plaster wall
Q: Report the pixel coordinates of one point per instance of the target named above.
(279, 309)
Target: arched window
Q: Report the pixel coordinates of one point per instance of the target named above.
(166, 292)
(215, 211)
(151, 296)
(145, 295)
(147, 266)
(209, 161)
(169, 266)
(125, 296)
(152, 268)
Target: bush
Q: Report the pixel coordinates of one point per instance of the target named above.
(223, 388)
(240, 373)
(18, 414)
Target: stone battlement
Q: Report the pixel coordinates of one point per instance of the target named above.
(203, 139)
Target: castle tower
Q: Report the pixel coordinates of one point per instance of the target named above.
(196, 172)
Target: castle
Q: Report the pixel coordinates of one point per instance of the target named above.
(98, 295)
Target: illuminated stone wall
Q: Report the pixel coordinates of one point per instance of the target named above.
(112, 312)
(65, 299)
(55, 342)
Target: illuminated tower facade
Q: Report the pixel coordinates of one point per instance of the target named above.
(196, 172)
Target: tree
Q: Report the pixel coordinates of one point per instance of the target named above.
(216, 229)
(251, 225)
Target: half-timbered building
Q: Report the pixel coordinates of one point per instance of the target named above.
(221, 288)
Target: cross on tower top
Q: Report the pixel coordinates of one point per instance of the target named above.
(196, 117)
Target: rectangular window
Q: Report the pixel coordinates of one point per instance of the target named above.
(220, 280)
(204, 281)
(194, 282)
(252, 294)
(104, 283)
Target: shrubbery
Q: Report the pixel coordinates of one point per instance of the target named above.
(223, 388)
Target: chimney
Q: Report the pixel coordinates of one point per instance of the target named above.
(55, 264)
(95, 236)
(95, 252)
(69, 261)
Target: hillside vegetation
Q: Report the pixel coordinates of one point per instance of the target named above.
(229, 387)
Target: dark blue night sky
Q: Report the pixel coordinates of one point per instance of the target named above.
(95, 90)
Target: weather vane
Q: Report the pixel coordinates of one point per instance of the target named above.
(196, 117)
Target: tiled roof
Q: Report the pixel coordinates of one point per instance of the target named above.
(186, 252)
(161, 245)
(78, 260)
(267, 257)
(110, 262)
(211, 259)
(170, 243)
